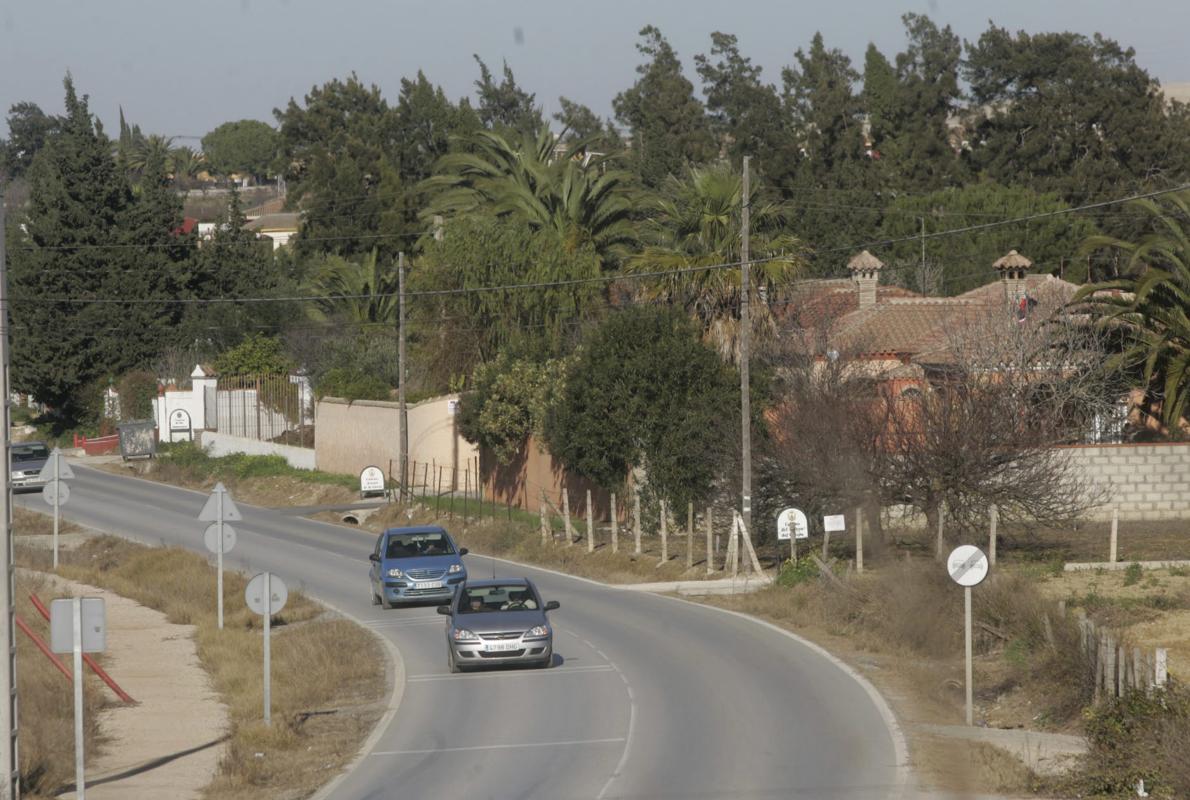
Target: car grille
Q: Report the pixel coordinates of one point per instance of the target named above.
(503, 654)
(425, 574)
(498, 637)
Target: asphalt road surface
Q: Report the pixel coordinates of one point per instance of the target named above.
(649, 697)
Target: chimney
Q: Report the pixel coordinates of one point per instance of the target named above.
(865, 271)
(1012, 269)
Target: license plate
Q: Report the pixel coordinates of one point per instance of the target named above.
(430, 585)
(497, 647)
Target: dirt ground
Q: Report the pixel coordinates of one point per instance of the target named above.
(168, 743)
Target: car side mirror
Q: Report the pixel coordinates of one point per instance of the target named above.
(444, 610)
(552, 605)
(463, 551)
(373, 557)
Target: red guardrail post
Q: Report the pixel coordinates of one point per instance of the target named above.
(87, 659)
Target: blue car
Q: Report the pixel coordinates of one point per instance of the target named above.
(412, 565)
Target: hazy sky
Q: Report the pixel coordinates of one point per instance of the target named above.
(180, 69)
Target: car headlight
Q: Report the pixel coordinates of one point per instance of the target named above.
(463, 635)
(395, 573)
(455, 568)
(540, 632)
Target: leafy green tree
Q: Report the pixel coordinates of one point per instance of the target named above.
(509, 401)
(255, 355)
(1151, 304)
(340, 158)
(87, 235)
(245, 147)
(880, 97)
(28, 129)
(696, 222)
(424, 122)
(460, 327)
(582, 202)
(356, 291)
(583, 125)
(505, 104)
(186, 163)
(1071, 114)
(745, 113)
(959, 262)
(646, 393)
(670, 129)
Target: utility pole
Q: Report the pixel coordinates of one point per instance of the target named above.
(745, 335)
(10, 789)
(401, 373)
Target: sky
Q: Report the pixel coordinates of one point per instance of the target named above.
(181, 69)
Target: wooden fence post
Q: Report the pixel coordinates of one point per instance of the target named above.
(546, 533)
(664, 534)
(566, 516)
(590, 525)
(690, 536)
(710, 541)
(1160, 667)
(1121, 670)
(1115, 527)
(615, 527)
(993, 521)
(940, 543)
(636, 520)
(859, 540)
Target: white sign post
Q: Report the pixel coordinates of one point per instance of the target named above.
(55, 492)
(968, 566)
(371, 481)
(218, 509)
(830, 524)
(792, 525)
(77, 626)
(266, 595)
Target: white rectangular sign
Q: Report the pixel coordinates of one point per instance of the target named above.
(834, 522)
(62, 626)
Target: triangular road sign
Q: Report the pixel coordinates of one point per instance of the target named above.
(64, 470)
(210, 511)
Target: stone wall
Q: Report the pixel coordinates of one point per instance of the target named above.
(1146, 481)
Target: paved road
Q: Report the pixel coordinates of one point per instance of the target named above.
(650, 697)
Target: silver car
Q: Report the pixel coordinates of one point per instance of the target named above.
(26, 460)
(498, 622)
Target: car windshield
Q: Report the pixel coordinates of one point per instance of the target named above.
(513, 597)
(30, 452)
(417, 545)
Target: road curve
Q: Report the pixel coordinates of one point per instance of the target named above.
(649, 698)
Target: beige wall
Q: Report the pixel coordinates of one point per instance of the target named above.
(351, 436)
(1146, 481)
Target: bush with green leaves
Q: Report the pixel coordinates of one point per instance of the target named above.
(645, 392)
(352, 384)
(256, 355)
(137, 390)
(509, 402)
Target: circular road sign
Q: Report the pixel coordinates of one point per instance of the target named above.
(967, 565)
(254, 593)
(55, 492)
(211, 537)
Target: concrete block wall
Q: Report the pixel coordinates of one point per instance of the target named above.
(1146, 481)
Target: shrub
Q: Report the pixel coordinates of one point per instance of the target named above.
(352, 384)
(138, 390)
(1132, 574)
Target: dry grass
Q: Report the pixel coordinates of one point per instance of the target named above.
(329, 675)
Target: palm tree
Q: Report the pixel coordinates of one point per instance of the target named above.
(361, 292)
(144, 150)
(1150, 306)
(567, 189)
(696, 222)
(186, 162)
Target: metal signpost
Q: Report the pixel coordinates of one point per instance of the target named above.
(371, 481)
(968, 566)
(792, 525)
(266, 595)
(218, 509)
(55, 492)
(77, 626)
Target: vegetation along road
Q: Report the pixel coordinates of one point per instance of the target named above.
(649, 696)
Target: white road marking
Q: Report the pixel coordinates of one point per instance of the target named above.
(627, 739)
(510, 674)
(519, 746)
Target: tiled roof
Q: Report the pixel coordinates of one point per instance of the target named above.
(1039, 287)
(902, 326)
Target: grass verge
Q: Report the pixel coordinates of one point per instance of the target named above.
(330, 685)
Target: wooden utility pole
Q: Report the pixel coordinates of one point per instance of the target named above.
(404, 413)
(690, 536)
(10, 787)
(615, 527)
(710, 520)
(745, 336)
(636, 520)
(590, 525)
(993, 523)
